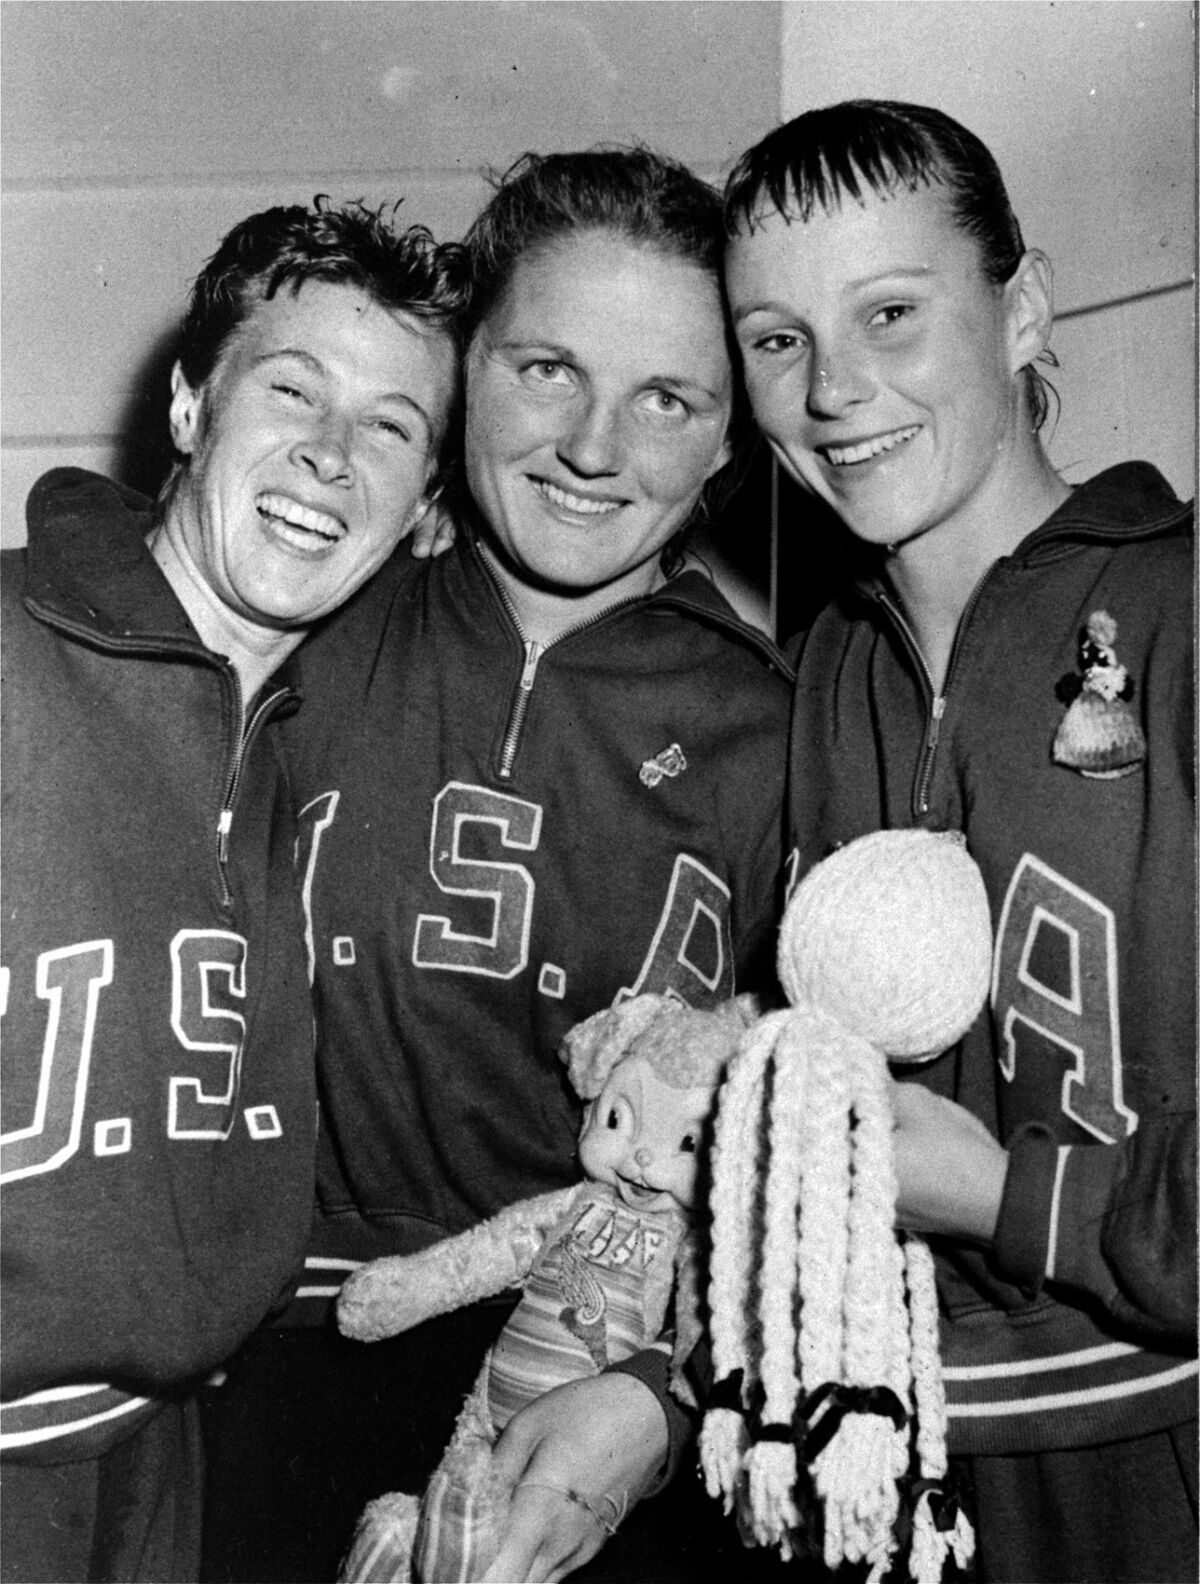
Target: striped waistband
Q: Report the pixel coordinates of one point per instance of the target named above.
(65, 1424)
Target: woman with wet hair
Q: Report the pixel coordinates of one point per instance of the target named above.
(1017, 665)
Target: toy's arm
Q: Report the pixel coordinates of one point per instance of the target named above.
(394, 1294)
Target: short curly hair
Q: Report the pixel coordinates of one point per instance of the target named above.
(350, 244)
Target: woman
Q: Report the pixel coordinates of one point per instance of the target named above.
(1018, 668)
(537, 773)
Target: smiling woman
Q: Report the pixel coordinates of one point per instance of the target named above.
(540, 772)
(1016, 662)
(599, 393)
(311, 449)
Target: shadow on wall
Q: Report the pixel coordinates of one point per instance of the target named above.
(143, 452)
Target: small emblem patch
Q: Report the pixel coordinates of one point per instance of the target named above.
(668, 763)
(1099, 735)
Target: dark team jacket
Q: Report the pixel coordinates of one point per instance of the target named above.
(1081, 1327)
(158, 1085)
(498, 841)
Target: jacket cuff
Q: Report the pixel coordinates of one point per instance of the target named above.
(1024, 1240)
(652, 1367)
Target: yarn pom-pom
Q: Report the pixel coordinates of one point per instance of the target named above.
(723, 1443)
(891, 935)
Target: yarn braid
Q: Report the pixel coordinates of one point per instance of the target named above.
(884, 947)
(732, 1306)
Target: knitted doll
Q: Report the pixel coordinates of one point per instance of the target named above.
(828, 1406)
(598, 1264)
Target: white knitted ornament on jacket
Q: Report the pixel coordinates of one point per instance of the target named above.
(824, 1319)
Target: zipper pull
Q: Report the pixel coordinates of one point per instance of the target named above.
(935, 721)
(533, 653)
(224, 824)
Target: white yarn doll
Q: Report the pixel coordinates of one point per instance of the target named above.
(599, 1264)
(828, 1410)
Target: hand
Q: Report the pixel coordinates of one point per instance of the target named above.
(604, 1438)
(949, 1168)
(435, 533)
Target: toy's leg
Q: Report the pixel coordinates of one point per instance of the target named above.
(464, 1506)
(381, 1551)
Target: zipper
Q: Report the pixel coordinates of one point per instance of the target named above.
(533, 654)
(516, 719)
(233, 779)
(936, 701)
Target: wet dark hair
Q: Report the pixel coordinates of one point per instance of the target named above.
(825, 156)
(651, 201)
(349, 244)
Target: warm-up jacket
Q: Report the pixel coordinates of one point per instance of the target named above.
(1081, 1326)
(497, 841)
(159, 1100)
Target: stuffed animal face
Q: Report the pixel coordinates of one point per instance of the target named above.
(643, 1137)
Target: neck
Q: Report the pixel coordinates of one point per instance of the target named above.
(936, 573)
(254, 650)
(545, 614)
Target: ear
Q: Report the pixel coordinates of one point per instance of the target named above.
(424, 503)
(724, 454)
(1030, 300)
(187, 412)
(594, 1047)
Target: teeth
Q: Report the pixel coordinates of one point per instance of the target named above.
(295, 515)
(575, 503)
(840, 456)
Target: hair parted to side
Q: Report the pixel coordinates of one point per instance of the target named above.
(349, 244)
(633, 192)
(826, 156)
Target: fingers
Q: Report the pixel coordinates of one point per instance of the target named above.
(548, 1535)
(433, 534)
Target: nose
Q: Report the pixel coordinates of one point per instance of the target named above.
(591, 445)
(643, 1156)
(837, 379)
(324, 451)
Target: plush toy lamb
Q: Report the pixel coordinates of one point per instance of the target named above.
(827, 1420)
(598, 1264)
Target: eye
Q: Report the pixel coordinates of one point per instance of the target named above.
(391, 429)
(687, 1144)
(665, 403)
(890, 314)
(613, 1119)
(292, 392)
(778, 342)
(547, 371)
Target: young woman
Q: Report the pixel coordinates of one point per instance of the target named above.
(538, 773)
(1019, 668)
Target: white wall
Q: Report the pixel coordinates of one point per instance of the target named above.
(1089, 110)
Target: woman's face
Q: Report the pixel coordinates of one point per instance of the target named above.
(881, 361)
(598, 401)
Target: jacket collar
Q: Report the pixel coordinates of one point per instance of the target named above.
(1124, 503)
(88, 563)
(89, 568)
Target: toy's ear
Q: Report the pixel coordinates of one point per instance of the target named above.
(594, 1047)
